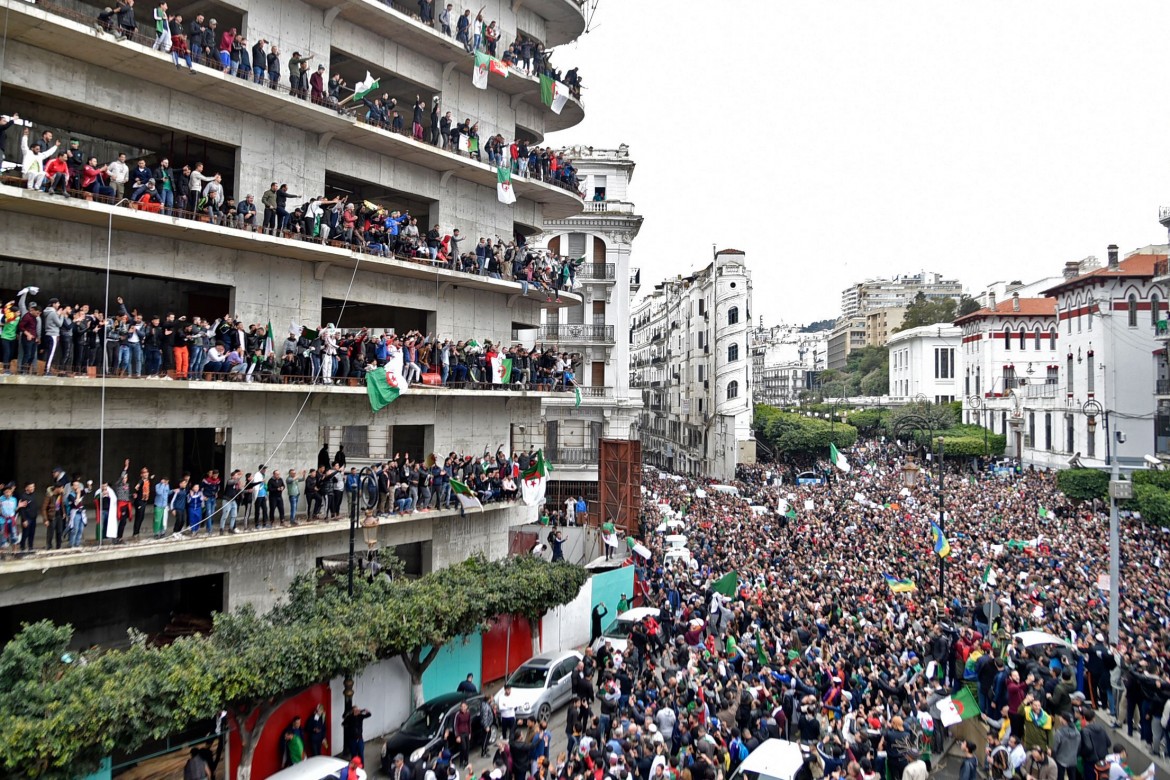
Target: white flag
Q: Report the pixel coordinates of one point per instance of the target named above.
(560, 97)
(112, 514)
(464, 142)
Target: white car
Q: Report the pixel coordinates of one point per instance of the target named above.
(675, 541)
(315, 768)
(677, 554)
(541, 684)
(618, 634)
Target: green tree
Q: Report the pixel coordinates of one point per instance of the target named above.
(1083, 484)
(967, 305)
(876, 382)
(923, 311)
(1153, 503)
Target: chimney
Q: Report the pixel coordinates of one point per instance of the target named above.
(1015, 301)
(1072, 269)
(991, 299)
(1113, 264)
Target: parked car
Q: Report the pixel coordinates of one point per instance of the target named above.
(542, 684)
(313, 768)
(776, 759)
(421, 737)
(618, 634)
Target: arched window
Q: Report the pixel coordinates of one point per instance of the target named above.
(732, 389)
(733, 353)
(1023, 337)
(1037, 335)
(1052, 338)
(1133, 317)
(733, 315)
(1007, 337)
(1155, 309)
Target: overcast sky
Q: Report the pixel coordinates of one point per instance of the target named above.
(835, 140)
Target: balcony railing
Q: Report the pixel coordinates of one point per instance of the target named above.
(1041, 390)
(577, 334)
(635, 279)
(574, 456)
(1162, 387)
(596, 271)
(609, 207)
(1164, 217)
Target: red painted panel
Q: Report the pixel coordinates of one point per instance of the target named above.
(501, 656)
(267, 758)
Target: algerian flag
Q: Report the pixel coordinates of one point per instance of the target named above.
(504, 189)
(553, 94)
(727, 584)
(1043, 512)
(989, 576)
(269, 341)
(467, 499)
(111, 513)
(385, 384)
(472, 143)
(534, 481)
(958, 707)
(363, 88)
(464, 142)
(577, 394)
(837, 458)
(501, 370)
(637, 548)
(479, 74)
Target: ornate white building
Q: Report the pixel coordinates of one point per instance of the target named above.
(692, 362)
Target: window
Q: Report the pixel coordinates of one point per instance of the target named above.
(1091, 443)
(576, 244)
(978, 372)
(732, 389)
(1007, 337)
(1009, 378)
(1155, 309)
(1091, 375)
(733, 315)
(1023, 335)
(944, 363)
(1037, 335)
(1053, 376)
(1048, 431)
(732, 354)
(1052, 339)
(1031, 430)
(702, 372)
(1069, 434)
(967, 383)
(1133, 309)
(1068, 374)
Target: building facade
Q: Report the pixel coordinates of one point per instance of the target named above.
(847, 335)
(252, 134)
(859, 299)
(880, 324)
(924, 361)
(692, 363)
(1095, 337)
(598, 329)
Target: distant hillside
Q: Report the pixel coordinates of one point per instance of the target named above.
(813, 327)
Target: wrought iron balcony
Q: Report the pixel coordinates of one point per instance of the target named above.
(1162, 387)
(577, 334)
(597, 271)
(635, 280)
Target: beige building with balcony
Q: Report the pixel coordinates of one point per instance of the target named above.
(120, 95)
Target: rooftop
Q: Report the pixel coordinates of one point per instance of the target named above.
(1029, 307)
(1139, 265)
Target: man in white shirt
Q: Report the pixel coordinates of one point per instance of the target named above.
(119, 174)
(507, 705)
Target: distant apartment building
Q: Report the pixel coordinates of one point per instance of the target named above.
(859, 299)
(783, 359)
(692, 362)
(846, 336)
(880, 324)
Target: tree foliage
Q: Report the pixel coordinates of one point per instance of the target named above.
(923, 311)
(60, 712)
(1083, 484)
(1159, 479)
(794, 432)
(1153, 503)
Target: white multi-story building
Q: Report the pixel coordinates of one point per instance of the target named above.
(693, 365)
(924, 361)
(859, 299)
(598, 329)
(114, 94)
(782, 357)
(1035, 363)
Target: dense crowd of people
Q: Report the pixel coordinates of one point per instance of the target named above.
(811, 643)
(69, 339)
(140, 503)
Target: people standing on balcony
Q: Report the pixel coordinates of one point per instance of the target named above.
(119, 174)
(445, 20)
(213, 198)
(317, 85)
(33, 160)
(162, 29)
(298, 72)
(209, 45)
(416, 128)
(426, 12)
(180, 47)
(463, 30)
(273, 62)
(259, 61)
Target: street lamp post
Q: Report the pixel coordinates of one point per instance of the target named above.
(1117, 489)
(976, 403)
(912, 426)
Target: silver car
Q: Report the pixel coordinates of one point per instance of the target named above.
(540, 685)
